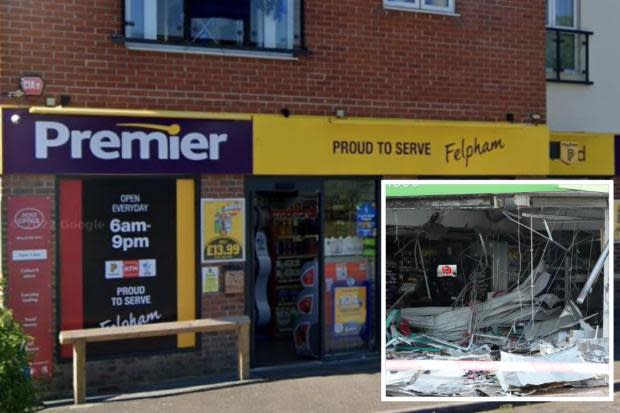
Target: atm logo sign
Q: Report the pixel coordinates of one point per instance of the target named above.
(122, 269)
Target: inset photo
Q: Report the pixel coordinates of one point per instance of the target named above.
(497, 290)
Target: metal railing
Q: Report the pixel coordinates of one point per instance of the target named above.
(568, 55)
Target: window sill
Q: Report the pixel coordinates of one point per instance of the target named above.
(571, 82)
(212, 51)
(417, 10)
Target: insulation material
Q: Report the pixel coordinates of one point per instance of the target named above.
(448, 324)
(539, 376)
(570, 317)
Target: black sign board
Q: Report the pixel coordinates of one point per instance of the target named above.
(130, 264)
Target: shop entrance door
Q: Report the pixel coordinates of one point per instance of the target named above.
(284, 293)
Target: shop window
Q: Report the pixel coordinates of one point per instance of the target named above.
(274, 25)
(445, 6)
(350, 258)
(567, 46)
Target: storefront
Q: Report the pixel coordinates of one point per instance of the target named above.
(103, 210)
(314, 198)
(160, 216)
(314, 275)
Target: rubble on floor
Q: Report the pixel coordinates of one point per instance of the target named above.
(512, 355)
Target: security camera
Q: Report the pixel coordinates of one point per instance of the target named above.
(536, 118)
(16, 93)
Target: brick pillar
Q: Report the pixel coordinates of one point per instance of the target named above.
(220, 348)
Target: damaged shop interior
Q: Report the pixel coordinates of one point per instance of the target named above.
(520, 278)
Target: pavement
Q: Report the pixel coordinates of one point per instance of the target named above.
(352, 386)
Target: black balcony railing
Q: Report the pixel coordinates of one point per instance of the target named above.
(568, 55)
(258, 25)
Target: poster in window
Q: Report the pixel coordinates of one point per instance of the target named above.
(223, 230)
(128, 261)
(366, 214)
(350, 310)
(210, 280)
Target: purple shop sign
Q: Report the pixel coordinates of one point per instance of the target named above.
(124, 145)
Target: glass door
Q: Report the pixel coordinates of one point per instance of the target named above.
(284, 293)
(350, 296)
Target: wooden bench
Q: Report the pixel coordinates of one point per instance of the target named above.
(79, 338)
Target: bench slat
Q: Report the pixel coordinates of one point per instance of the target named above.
(92, 335)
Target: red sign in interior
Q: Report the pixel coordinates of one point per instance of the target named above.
(30, 280)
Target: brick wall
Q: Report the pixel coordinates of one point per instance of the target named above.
(480, 65)
(218, 351)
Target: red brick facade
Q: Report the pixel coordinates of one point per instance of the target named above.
(217, 353)
(480, 65)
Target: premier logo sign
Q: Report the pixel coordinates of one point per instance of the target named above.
(124, 145)
(109, 145)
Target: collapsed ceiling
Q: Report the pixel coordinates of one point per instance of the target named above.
(491, 277)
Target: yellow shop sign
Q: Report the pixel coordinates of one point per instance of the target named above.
(582, 154)
(306, 145)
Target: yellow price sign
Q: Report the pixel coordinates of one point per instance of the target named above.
(223, 249)
(223, 230)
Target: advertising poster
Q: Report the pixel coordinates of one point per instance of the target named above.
(130, 260)
(223, 230)
(346, 297)
(29, 278)
(210, 280)
(366, 215)
(349, 310)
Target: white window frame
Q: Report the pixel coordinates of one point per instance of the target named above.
(418, 5)
(449, 9)
(551, 9)
(571, 74)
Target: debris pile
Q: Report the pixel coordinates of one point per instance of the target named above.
(523, 342)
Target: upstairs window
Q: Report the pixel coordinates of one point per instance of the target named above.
(567, 46)
(444, 6)
(241, 24)
(561, 13)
